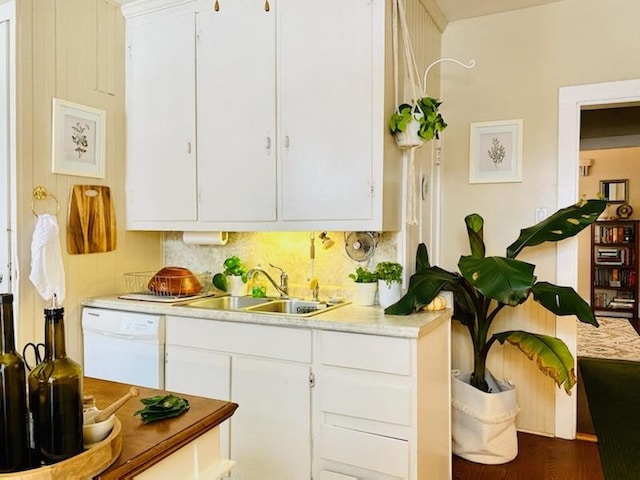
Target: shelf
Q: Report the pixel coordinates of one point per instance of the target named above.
(614, 259)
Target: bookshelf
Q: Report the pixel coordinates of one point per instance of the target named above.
(614, 268)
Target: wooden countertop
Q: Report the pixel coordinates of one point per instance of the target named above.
(144, 445)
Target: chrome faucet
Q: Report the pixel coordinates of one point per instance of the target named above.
(283, 288)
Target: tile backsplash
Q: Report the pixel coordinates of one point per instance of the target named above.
(288, 250)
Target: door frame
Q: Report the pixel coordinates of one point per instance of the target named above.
(8, 153)
(570, 102)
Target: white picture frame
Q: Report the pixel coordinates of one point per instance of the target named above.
(77, 139)
(495, 152)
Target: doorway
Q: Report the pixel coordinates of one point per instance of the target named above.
(571, 101)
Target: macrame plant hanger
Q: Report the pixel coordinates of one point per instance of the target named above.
(418, 91)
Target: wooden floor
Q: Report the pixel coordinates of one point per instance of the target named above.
(543, 458)
(539, 458)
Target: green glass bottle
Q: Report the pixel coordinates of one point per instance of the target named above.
(55, 396)
(14, 430)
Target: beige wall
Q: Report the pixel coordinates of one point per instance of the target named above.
(74, 50)
(610, 164)
(523, 57)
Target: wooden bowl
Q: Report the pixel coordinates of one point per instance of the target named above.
(174, 281)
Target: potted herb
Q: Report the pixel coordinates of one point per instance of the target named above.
(412, 125)
(483, 288)
(234, 277)
(389, 281)
(366, 284)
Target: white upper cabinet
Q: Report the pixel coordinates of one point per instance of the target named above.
(236, 113)
(161, 120)
(325, 105)
(290, 103)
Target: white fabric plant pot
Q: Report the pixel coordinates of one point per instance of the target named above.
(483, 424)
(365, 293)
(388, 294)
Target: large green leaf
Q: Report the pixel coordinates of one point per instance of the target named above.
(422, 258)
(565, 223)
(563, 301)
(475, 224)
(423, 287)
(551, 355)
(505, 280)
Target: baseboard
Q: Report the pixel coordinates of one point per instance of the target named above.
(587, 437)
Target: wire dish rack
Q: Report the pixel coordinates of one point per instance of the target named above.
(166, 288)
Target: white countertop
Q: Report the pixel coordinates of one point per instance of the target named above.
(349, 318)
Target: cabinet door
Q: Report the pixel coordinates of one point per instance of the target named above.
(236, 112)
(326, 109)
(271, 434)
(203, 373)
(161, 169)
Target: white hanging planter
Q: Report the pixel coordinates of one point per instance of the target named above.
(483, 424)
(409, 138)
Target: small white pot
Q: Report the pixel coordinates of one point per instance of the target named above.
(237, 288)
(365, 293)
(388, 294)
(483, 424)
(409, 138)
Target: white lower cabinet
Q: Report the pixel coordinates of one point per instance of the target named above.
(381, 406)
(320, 404)
(266, 371)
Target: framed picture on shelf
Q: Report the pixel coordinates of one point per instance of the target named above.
(495, 154)
(78, 139)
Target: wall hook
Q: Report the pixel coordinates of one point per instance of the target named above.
(471, 64)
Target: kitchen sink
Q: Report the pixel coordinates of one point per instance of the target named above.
(292, 306)
(226, 303)
(288, 306)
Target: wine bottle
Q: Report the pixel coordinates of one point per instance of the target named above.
(55, 396)
(14, 430)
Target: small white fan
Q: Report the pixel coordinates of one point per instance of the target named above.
(360, 246)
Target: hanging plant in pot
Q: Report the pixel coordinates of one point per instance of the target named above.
(412, 125)
(484, 409)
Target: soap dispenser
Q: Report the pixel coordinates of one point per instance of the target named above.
(258, 285)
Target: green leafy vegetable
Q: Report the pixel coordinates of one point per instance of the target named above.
(161, 407)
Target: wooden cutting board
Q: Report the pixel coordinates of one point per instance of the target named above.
(92, 222)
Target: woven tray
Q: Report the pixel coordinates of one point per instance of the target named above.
(85, 465)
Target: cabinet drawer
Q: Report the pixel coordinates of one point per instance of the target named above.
(241, 338)
(365, 352)
(365, 399)
(371, 452)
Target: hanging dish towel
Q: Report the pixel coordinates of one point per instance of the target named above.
(47, 271)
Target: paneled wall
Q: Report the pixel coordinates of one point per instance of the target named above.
(73, 50)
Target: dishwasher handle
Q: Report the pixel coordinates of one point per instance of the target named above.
(111, 334)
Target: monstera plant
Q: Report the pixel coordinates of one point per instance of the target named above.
(486, 285)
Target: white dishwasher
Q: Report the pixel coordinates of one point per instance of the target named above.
(124, 347)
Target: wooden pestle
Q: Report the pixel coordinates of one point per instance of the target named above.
(107, 412)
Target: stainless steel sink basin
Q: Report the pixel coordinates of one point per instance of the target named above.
(274, 306)
(226, 303)
(291, 306)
